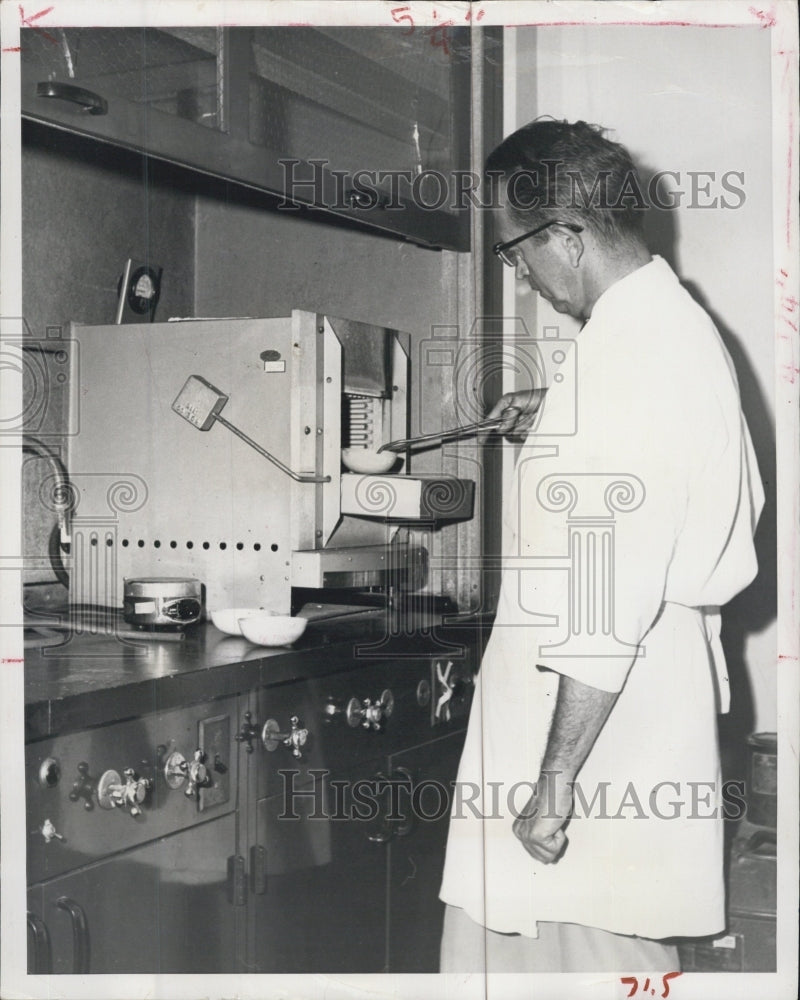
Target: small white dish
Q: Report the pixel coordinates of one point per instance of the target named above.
(267, 629)
(368, 462)
(227, 619)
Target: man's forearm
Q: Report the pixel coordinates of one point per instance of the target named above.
(577, 719)
(579, 716)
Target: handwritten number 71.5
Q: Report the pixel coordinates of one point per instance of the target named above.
(633, 982)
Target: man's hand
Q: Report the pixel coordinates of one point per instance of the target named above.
(579, 715)
(517, 410)
(539, 827)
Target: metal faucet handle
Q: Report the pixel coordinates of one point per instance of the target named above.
(368, 713)
(197, 772)
(272, 737)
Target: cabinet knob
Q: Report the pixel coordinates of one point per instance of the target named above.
(272, 737)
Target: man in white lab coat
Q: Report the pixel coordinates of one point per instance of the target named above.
(587, 825)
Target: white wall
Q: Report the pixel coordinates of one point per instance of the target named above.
(690, 99)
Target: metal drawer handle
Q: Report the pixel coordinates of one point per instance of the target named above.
(80, 934)
(92, 103)
(386, 828)
(39, 957)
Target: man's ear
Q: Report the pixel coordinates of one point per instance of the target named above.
(573, 244)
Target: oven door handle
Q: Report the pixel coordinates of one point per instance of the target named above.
(40, 957)
(80, 935)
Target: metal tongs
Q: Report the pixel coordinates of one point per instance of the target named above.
(454, 434)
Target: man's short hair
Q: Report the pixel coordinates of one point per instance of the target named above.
(571, 171)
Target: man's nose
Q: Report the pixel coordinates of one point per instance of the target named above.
(521, 269)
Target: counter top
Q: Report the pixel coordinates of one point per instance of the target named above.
(88, 679)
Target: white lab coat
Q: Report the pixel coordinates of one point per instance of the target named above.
(631, 519)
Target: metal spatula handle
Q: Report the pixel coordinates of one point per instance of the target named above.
(467, 430)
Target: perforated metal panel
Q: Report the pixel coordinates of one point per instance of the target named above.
(158, 497)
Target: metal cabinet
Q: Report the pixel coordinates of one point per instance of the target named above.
(368, 123)
(164, 907)
(351, 791)
(416, 854)
(298, 828)
(133, 846)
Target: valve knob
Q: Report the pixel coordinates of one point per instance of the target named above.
(272, 737)
(369, 714)
(83, 787)
(112, 793)
(247, 733)
(175, 769)
(332, 710)
(450, 686)
(49, 832)
(197, 772)
(49, 772)
(135, 791)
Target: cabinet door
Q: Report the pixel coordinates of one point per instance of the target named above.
(369, 123)
(132, 85)
(416, 854)
(162, 908)
(321, 905)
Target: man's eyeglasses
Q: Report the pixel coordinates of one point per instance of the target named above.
(501, 249)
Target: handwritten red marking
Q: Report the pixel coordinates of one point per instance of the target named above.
(633, 982)
(784, 273)
(12, 659)
(789, 163)
(13, 48)
(621, 24)
(438, 35)
(27, 22)
(400, 14)
(767, 18)
(790, 373)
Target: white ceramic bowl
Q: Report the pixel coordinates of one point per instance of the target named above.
(267, 629)
(227, 619)
(367, 461)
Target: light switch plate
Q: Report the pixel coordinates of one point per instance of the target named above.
(214, 736)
